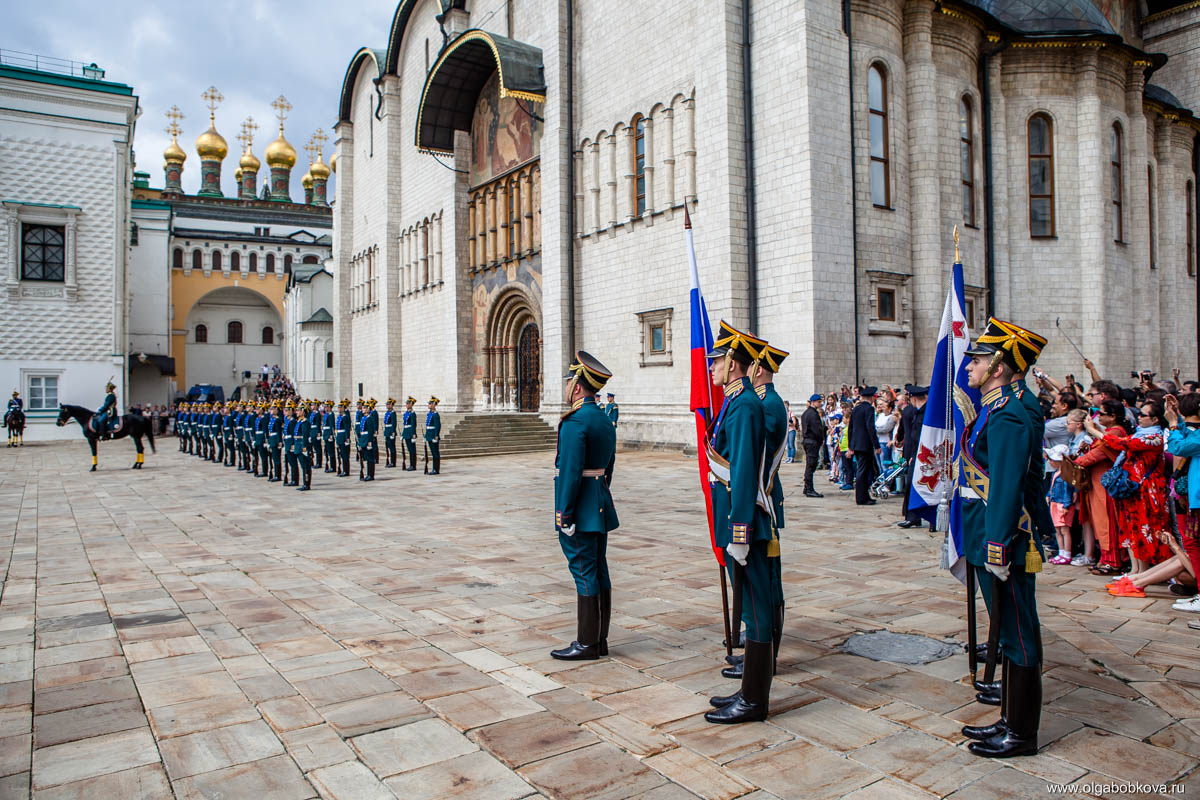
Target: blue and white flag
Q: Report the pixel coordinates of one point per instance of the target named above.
(951, 406)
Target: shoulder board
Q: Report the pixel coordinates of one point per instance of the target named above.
(732, 390)
(761, 391)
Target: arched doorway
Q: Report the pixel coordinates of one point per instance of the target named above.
(511, 368)
(224, 335)
(529, 368)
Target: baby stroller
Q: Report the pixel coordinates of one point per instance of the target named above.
(879, 487)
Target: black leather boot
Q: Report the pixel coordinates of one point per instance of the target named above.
(734, 671)
(586, 647)
(720, 701)
(751, 703)
(1020, 737)
(981, 732)
(605, 617)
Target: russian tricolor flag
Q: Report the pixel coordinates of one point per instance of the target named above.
(706, 398)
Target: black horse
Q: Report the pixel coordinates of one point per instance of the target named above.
(133, 425)
(14, 420)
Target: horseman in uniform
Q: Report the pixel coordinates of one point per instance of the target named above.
(16, 408)
(107, 420)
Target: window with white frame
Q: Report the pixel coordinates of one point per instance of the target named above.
(890, 306)
(656, 337)
(41, 256)
(43, 392)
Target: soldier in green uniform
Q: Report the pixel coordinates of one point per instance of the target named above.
(275, 441)
(247, 428)
(998, 449)
(262, 458)
(312, 447)
(741, 525)
(301, 465)
(181, 410)
(289, 441)
(327, 435)
(230, 434)
(238, 413)
(409, 433)
(342, 437)
(611, 410)
(433, 435)
(389, 431)
(358, 415)
(368, 444)
(583, 506)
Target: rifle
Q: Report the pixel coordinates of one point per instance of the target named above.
(426, 470)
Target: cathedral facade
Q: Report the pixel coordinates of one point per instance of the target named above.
(513, 179)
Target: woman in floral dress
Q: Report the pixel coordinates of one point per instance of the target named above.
(1143, 519)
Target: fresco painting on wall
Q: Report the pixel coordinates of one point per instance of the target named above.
(504, 134)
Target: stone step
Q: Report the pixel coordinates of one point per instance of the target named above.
(481, 434)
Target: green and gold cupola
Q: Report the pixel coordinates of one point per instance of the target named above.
(211, 147)
(318, 171)
(248, 165)
(174, 155)
(281, 156)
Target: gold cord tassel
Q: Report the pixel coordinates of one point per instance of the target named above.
(1033, 558)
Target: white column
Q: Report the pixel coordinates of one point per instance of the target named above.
(72, 284)
(689, 154)
(612, 180)
(595, 187)
(668, 115)
(630, 182)
(648, 144)
(437, 242)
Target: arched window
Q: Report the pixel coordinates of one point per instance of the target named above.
(639, 165)
(197, 259)
(966, 154)
(1151, 213)
(268, 335)
(1041, 177)
(287, 264)
(881, 194)
(310, 259)
(1118, 185)
(254, 262)
(270, 262)
(177, 258)
(201, 334)
(1191, 229)
(235, 260)
(233, 332)
(216, 259)
(329, 359)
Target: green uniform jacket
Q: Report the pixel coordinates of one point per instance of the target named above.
(260, 431)
(389, 424)
(775, 430)
(342, 426)
(328, 418)
(997, 452)
(367, 429)
(289, 434)
(274, 432)
(613, 413)
(1035, 493)
(433, 426)
(409, 431)
(300, 432)
(587, 442)
(738, 442)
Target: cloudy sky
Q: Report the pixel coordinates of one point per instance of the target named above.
(251, 50)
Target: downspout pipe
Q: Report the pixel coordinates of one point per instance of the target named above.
(570, 10)
(989, 206)
(751, 206)
(853, 180)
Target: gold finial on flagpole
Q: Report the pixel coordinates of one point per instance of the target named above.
(956, 256)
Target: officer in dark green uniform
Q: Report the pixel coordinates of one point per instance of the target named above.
(583, 505)
(275, 441)
(389, 431)
(611, 410)
(368, 444)
(775, 432)
(433, 436)
(181, 425)
(301, 465)
(741, 525)
(289, 441)
(342, 430)
(327, 436)
(259, 442)
(408, 433)
(230, 434)
(998, 450)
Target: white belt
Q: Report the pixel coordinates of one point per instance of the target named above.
(967, 493)
(587, 473)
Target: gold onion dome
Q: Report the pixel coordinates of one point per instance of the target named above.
(306, 181)
(212, 145)
(174, 152)
(319, 169)
(333, 162)
(249, 161)
(281, 154)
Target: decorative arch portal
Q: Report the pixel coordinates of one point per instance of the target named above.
(224, 357)
(511, 355)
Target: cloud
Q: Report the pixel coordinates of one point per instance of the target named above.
(170, 52)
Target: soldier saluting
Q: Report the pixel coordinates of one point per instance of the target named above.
(741, 525)
(583, 506)
(998, 449)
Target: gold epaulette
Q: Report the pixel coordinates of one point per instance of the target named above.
(732, 390)
(761, 391)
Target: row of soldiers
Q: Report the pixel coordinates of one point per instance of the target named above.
(282, 442)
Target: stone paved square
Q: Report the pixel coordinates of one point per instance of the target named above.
(192, 630)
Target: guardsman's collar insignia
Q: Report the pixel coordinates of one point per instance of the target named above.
(761, 391)
(734, 388)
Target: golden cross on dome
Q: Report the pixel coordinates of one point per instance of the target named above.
(212, 99)
(246, 137)
(173, 116)
(320, 138)
(281, 106)
(311, 148)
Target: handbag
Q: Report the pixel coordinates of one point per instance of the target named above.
(1116, 481)
(1180, 479)
(1074, 474)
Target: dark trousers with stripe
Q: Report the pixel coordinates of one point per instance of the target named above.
(587, 558)
(1020, 629)
(756, 583)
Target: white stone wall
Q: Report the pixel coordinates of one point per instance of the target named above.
(219, 362)
(149, 305)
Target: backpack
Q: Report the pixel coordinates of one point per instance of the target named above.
(1116, 481)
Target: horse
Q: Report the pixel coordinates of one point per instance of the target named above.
(133, 425)
(14, 420)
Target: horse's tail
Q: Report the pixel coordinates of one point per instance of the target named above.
(150, 434)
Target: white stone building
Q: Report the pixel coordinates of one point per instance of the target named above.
(513, 177)
(308, 351)
(66, 138)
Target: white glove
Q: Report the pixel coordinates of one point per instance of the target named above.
(739, 552)
(568, 530)
(999, 572)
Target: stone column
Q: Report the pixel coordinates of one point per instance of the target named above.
(1094, 198)
(668, 115)
(630, 182)
(689, 154)
(612, 181)
(648, 144)
(1135, 206)
(344, 224)
(595, 188)
(1002, 226)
